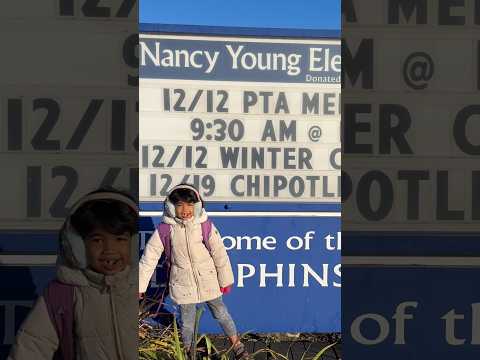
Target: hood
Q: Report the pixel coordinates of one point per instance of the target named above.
(72, 252)
(199, 214)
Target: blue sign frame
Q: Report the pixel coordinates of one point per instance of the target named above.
(297, 310)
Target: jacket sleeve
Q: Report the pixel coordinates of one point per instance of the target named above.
(36, 338)
(149, 260)
(221, 259)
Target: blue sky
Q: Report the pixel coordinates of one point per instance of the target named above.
(300, 14)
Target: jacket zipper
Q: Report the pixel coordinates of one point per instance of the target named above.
(191, 264)
(115, 325)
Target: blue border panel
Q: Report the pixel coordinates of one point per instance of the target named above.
(29, 241)
(239, 31)
(295, 290)
(252, 206)
(431, 292)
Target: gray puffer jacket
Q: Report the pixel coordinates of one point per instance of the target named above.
(105, 311)
(196, 275)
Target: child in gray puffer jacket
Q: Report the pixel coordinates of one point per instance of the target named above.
(200, 269)
(91, 310)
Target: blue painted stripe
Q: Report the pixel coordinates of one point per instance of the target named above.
(240, 31)
(28, 241)
(353, 244)
(410, 244)
(252, 206)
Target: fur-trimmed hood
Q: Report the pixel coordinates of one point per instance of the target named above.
(199, 213)
(72, 261)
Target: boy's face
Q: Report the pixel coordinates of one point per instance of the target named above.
(184, 210)
(107, 253)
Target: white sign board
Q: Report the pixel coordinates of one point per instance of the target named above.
(244, 119)
(68, 106)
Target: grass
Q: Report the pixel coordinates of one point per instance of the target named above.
(165, 343)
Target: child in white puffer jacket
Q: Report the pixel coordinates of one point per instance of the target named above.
(200, 269)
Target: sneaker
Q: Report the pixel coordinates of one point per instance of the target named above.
(240, 352)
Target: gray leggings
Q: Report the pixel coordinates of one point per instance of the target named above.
(219, 312)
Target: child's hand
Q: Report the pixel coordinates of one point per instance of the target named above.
(140, 296)
(226, 290)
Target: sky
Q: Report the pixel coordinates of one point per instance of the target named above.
(295, 14)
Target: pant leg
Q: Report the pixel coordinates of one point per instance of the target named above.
(187, 317)
(220, 313)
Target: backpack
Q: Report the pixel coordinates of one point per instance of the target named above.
(164, 230)
(59, 301)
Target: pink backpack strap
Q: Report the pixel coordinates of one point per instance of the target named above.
(164, 230)
(59, 300)
(206, 231)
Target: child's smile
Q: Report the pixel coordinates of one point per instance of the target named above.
(184, 210)
(110, 264)
(108, 253)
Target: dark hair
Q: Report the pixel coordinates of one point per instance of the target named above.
(109, 215)
(185, 195)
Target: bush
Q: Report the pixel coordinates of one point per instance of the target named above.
(157, 342)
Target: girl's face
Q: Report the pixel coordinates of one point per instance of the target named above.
(184, 210)
(107, 253)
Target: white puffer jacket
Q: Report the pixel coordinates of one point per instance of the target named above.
(105, 317)
(196, 275)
